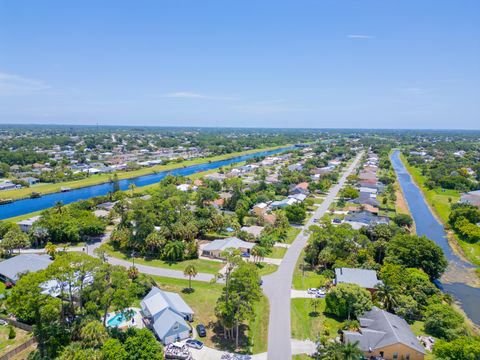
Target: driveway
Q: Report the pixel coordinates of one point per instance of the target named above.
(277, 286)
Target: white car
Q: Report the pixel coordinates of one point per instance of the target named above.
(312, 291)
(3, 322)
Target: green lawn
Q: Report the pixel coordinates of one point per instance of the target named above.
(277, 252)
(202, 266)
(202, 301)
(7, 344)
(265, 269)
(102, 178)
(308, 325)
(301, 357)
(292, 234)
(417, 329)
(303, 280)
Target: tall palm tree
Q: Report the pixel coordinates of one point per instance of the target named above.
(59, 206)
(190, 271)
(350, 351)
(132, 187)
(387, 295)
(339, 351)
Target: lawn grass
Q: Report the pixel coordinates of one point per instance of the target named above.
(303, 280)
(3, 289)
(301, 357)
(306, 325)
(202, 266)
(7, 344)
(277, 252)
(292, 234)
(265, 269)
(103, 178)
(417, 329)
(202, 301)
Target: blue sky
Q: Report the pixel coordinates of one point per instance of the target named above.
(317, 63)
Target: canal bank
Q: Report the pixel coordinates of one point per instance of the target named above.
(26, 206)
(456, 279)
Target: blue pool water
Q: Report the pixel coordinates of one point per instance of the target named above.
(116, 320)
(26, 206)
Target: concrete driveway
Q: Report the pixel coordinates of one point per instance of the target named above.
(277, 286)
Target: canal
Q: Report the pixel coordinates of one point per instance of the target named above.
(427, 224)
(26, 206)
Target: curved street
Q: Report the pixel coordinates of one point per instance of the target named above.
(277, 286)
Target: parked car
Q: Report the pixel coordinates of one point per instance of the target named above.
(312, 291)
(201, 330)
(320, 295)
(246, 255)
(196, 344)
(337, 221)
(260, 282)
(3, 322)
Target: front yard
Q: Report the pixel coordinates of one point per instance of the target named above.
(310, 325)
(305, 279)
(292, 234)
(203, 299)
(202, 266)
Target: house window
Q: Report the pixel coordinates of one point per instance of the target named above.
(407, 357)
(395, 355)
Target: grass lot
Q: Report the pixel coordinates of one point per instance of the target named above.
(102, 178)
(303, 280)
(7, 344)
(292, 234)
(417, 329)
(2, 288)
(202, 266)
(307, 325)
(202, 300)
(265, 269)
(301, 357)
(277, 252)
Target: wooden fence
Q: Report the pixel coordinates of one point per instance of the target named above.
(20, 347)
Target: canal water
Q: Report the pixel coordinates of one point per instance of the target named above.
(427, 224)
(26, 206)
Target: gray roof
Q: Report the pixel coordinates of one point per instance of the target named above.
(165, 322)
(231, 242)
(158, 300)
(12, 268)
(362, 277)
(379, 329)
(367, 217)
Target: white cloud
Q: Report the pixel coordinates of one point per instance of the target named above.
(360, 36)
(194, 95)
(15, 85)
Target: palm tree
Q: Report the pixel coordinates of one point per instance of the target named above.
(339, 351)
(174, 250)
(386, 295)
(51, 249)
(132, 187)
(190, 271)
(59, 206)
(350, 351)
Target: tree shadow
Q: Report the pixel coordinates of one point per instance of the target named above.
(188, 290)
(314, 314)
(224, 344)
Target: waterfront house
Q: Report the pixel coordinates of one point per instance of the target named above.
(364, 278)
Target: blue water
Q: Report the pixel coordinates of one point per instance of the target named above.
(426, 224)
(26, 206)
(116, 320)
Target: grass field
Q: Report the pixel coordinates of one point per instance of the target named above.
(301, 357)
(202, 266)
(7, 344)
(309, 325)
(265, 269)
(292, 234)
(303, 280)
(202, 301)
(277, 252)
(103, 178)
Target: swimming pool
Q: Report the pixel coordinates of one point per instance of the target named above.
(116, 320)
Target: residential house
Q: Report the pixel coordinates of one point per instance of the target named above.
(11, 269)
(364, 278)
(26, 225)
(301, 188)
(472, 198)
(216, 247)
(253, 230)
(365, 218)
(260, 209)
(385, 335)
(166, 313)
(283, 203)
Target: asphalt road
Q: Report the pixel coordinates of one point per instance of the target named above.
(277, 286)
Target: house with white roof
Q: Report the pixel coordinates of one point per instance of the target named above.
(216, 247)
(166, 313)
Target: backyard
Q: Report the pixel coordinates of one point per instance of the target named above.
(7, 344)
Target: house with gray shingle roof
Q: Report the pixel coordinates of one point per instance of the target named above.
(385, 335)
(216, 247)
(11, 269)
(362, 277)
(166, 313)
